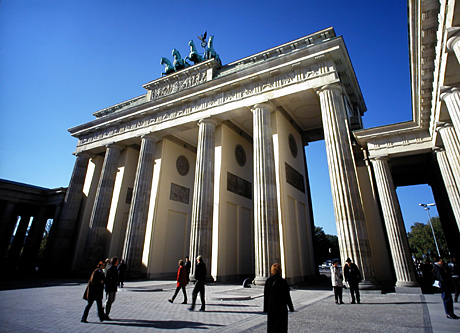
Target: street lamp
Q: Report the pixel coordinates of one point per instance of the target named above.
(427, 208)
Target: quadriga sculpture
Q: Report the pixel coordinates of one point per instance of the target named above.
(194, 56)
(169, 68)
(178, 63)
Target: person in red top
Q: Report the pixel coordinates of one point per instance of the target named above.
(181, 282)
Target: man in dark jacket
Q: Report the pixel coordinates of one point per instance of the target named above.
(200, 276)
(442, 274)
(353, 277)
(111, 284)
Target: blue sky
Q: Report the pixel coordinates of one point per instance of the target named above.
(62, 60)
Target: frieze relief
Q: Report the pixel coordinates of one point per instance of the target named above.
(169, 88)
(295, 76)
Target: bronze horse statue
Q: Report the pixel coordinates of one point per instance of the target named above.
(194, 56)
(169, 68)
(178, 63)
(210, 52)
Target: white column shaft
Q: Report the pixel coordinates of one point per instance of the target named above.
(452, 147)
(266, 224)
(449, 182)
(351, 227)
(396, 232)
(203, 194)
(65, 228)
(137, 220)
(452, 100)
(101, 208)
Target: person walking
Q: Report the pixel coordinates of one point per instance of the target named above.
(442, 274)
(353, 277)
(95, 292)
(121, 273)
(277, 300)
(455, 270)
(188, 266)
(337, 282)
(200, 276)
(111, 285)
(181, 282)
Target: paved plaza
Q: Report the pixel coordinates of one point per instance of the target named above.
(143, 307)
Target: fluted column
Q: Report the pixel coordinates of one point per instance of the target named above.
(396, 232)
(18, 240)
(453, 44)
(203, 194)
(452, 147)
(266, 223)
(137, 221)
(452, 189)
(96, 241)
(61, 246)
(349, 214)
(451, 96)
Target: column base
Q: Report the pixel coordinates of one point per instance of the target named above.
(406, 284)
(260, 280)
(369, 285)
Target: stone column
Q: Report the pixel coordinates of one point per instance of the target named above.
(8, 222)
(33, 241)
(451, 187)
(453, 44)
(64, 231)
(452, 147)
(396, 232)
(18, 240)
(266, 223)
(203, 195)
(137, 221)
(96, 244)
(349, 214)
(451, 96)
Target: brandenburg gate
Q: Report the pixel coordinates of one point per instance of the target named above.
(210, 161)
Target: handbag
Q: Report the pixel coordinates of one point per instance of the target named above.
(437, 284)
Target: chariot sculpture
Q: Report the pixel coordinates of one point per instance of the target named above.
(194, 56)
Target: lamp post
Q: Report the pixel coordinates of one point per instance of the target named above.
(427, 208)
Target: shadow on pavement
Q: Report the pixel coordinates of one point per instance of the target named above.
(163, 324)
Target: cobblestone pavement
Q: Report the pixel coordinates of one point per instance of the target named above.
(143, 307)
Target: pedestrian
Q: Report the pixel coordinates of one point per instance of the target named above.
(111, 285)
(441, 273)
(277, 300)
(455, 270)
(121, 273)
(181, 282)
(95, 292)
(188, 266)
(353, 277)
(200, 276)
(337, 282)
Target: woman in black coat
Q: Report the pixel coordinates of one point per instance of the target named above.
(95, 292)
(277, 300)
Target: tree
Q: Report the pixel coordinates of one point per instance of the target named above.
(327, 246)
(421, 239)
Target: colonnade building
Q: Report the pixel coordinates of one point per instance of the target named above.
(210, 161)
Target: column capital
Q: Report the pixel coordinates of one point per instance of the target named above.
(332, 86)
(114, 145)
(438, 149)
(265, 105)
(208, 120)
(446, 91)
(379, 158)
(442, 125)
(454, 38)
(83, 154)
(150, 136)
